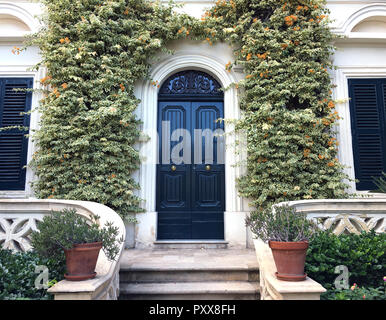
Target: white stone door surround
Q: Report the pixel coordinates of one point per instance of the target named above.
(234, 217)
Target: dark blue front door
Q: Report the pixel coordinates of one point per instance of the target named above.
(190, 176)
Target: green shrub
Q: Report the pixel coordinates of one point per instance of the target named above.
(17, 274)
(356, 293)
(281, 223)
(363, 255)
(62, 229)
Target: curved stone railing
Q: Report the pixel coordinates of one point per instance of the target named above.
(340, 216)
(18, 219)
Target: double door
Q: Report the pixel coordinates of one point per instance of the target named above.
(191, 171)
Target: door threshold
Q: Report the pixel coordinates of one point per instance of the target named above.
(190, 244)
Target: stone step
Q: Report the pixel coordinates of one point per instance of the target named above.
(213, 290)
(190, 274)
(186, 274)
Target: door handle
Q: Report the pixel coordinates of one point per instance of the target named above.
(174, 168)
(208, 167)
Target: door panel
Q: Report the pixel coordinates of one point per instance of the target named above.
(174, 188)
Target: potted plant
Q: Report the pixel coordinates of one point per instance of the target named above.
(287, 233)
(66, 235)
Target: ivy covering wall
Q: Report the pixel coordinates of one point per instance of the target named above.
(285, 48)
(95, 51)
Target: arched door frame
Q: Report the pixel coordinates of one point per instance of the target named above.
(235, 231)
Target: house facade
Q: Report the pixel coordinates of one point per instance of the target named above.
(199, 202)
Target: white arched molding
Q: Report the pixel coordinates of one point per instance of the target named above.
(235, 230)
(21, 14)
(344, 134)
(368, 11)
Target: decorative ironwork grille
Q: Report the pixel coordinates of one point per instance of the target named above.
(187, 83)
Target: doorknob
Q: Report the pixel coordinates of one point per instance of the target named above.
(174, 168)
(207, 168)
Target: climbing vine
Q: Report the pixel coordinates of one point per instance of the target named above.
(285, 48)
(96, 50)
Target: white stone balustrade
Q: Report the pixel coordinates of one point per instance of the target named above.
(18, 219)
(345, 215)
(340, 216)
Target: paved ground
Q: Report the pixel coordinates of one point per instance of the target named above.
(189, 258)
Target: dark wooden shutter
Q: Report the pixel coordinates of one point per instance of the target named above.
(367, 108)
(13, 143)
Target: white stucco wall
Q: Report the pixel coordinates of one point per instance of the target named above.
(17, 19)
(361, 54)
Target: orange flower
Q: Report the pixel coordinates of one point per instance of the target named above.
(331, 104)
(331, 164)
(113, 176)
(126, 12)
(122, 87)
(331, 142)
(228, 66)
(56, 92)
(249, 56)
(290, 20)
(320, 157)
(297, 28)
(16, 50)
(262, 56)
(42, 81)
(64, 85)
(284, 46)
(248, 76)
(311, 71)
(65, 40)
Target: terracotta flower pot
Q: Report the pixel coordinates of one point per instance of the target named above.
(290, 258)
(81, 261)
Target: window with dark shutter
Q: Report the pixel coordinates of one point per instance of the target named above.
(13, 143)
(368, 121)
